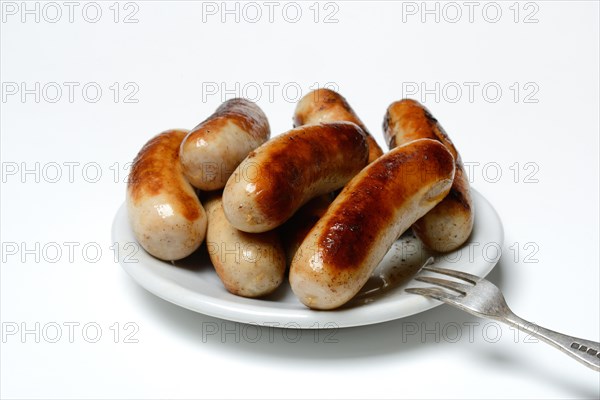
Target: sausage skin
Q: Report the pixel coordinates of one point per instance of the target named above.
(449, 224)
(296, 228)
(372, 211)
(324, 105)
(213, 149)
(283, 174)
(164, 212)
(249, 264)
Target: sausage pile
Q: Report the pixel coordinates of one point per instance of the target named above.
(322, 198)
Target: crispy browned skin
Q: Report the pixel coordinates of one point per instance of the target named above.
(450, 223)
(283, 174)
(372, 203)
(156, 167)
(213, 149)
(324, 105)
(164, 211)
(244, 114)
(372, 211)
(296, 228)
(304, 156)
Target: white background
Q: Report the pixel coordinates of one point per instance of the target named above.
(375, 53)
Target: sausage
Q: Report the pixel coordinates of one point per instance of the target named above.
(296, 228)
(213, 149)
(449, 224)
(324, 105)
(279, 177)
(372, 211)
(164, 211)
(249, 264)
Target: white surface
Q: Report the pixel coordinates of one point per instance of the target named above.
(193, 283)
(369, 53)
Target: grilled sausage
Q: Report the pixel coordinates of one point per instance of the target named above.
(164, 211)
(374, 209)
(212, 150)
(324, 105)
(449, 224)
(279, 177)
(249, 264)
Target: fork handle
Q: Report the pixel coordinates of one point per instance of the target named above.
(584, 351)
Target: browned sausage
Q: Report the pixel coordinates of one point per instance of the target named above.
(279, 177)
(212, 150)
(374, 209)
(321, 105)
(449, 224)
(324, 105)
(164, 211)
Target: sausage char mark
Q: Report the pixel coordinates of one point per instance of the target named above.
(241, 112)
(324, 105)
(351, 231)
(156, 170)
(298, 161)
(415, 122)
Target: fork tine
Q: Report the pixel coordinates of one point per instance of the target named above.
(455, 274)
(434, 293)
(456, 286)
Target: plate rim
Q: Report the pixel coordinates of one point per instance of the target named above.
(224, 309)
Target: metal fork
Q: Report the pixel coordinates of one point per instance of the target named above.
(482, 298)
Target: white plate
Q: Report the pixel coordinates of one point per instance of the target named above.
(192, 283)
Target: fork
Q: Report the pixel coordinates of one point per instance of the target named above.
(482, 298)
